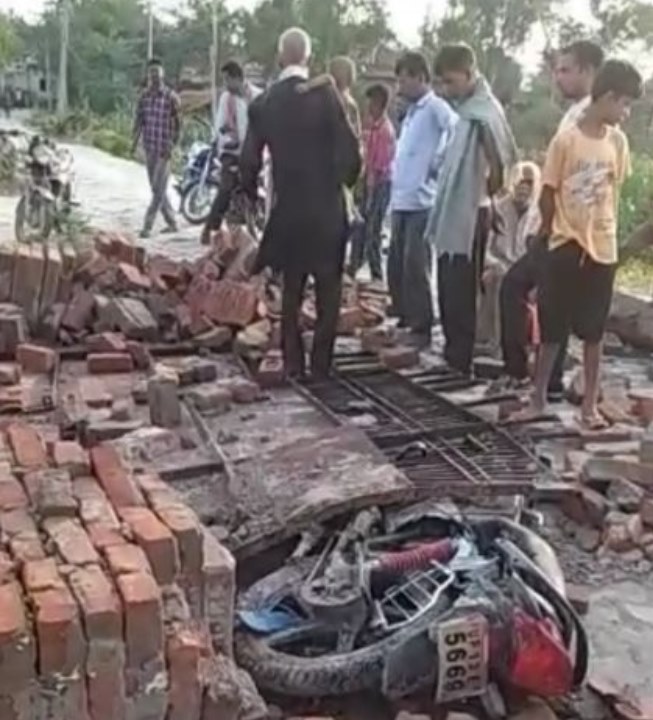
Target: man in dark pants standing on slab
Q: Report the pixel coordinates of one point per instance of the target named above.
(425, 132)
(315, 154)
(576, 69)
(478, 159)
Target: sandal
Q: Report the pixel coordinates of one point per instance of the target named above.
(594, 422)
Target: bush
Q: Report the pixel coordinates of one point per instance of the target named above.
(112, 142)
(636, 204)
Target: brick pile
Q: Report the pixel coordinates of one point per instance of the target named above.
(115, 603)
(611, 503)
(62, 296)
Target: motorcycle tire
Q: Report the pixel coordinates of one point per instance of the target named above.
(324, 676)
(189, 199)
(41, 229)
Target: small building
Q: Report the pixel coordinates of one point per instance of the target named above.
(27, 79)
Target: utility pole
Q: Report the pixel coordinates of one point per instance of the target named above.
(150, 31)
(62, 92)
(214, 58)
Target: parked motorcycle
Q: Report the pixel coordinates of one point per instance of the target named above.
(47, 194)
(199, 182)
(411, 602)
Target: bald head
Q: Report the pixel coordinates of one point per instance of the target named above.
(294, 47)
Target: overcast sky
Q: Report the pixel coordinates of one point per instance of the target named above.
(406, 15)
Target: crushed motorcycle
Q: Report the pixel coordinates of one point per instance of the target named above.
(415, 601)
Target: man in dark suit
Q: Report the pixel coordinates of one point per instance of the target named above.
(315, 154)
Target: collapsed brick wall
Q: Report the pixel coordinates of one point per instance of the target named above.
(115, 603)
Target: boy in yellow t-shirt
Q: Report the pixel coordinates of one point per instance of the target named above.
(585, 168)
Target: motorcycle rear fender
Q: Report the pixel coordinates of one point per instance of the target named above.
(410, 667)
(43, 192)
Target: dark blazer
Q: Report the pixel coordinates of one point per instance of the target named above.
(314, 153)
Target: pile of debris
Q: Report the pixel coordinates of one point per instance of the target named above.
(62, 295)
(611, 509)
(115, 601)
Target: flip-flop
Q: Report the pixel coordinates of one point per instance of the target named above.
(527, 415)
(594, 423)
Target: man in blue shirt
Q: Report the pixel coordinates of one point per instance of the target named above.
(425, 132)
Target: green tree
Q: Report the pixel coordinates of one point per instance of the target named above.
(9, 40)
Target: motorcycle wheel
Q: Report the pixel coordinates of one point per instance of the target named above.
(196, 202)
(33, 223)
(325, 675)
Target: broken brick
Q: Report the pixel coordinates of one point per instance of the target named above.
(399, 358)
(108, 342)
(230, 303)
(271, 371)
(12, 329)
(9, 374)
(79, 311)
(71, 456)
(108, 363)
(35, 359)
(100, 607)
(71, 541)
(131, 278)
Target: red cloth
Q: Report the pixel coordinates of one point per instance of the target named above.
(380, 143)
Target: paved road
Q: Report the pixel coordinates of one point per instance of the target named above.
(113, 194)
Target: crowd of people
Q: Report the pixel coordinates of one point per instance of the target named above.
(516, 247)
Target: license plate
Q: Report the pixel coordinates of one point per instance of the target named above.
(463, 652)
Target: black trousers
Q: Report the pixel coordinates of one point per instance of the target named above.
(229, 179)
(458, 285)
(328, 290)
(522, 278)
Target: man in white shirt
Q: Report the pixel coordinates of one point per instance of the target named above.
(231, 123)
(575, 70)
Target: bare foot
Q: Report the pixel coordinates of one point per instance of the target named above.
(531, 413)
(593, 421)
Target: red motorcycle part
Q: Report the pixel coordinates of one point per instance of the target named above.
(418, 558)
(541, 663)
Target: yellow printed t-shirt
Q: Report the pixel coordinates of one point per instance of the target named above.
(586, 174)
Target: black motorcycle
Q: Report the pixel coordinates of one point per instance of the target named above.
(46, 199)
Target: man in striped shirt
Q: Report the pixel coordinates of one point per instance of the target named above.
(158, 126)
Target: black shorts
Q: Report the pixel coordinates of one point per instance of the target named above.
(574, 295)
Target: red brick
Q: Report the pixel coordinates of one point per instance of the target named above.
(16, 645)
(61, 643)
(108, 342)
(218, 592)
(28, 448)
(124, 559)
(351, 318)
(79, 311)
(71, 541)
(103, 536)
(105, 678)
(28, 276)
(9, 374)
(35, 359)
(7, 569)
(99, 604)
(131, 278)
(230, 303)
(142, 607)
(243, 391)
(41, 575)
(22, 533)
(123, 248)
(50, 492)
(12, 495)
(98, 510)
(373, 340)
(271, 372)
(187, 530)
(157, 542)
(114, 478)
(140, 355)
(185, 650)
(107, 363)
(399, 358)
(71, 456)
